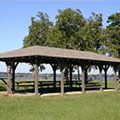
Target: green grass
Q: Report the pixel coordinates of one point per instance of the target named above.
(94, 106)
(2, 86)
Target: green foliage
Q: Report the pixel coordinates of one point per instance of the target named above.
(2, 88)
(55, 38)
(38, 30)
(83, 39)
(113, 34)
(95, 29)
(72, 31)
(69, 22)
(42, 67)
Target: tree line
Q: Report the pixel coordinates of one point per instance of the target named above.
(73, 31)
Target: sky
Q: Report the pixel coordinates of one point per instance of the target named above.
(15, 17)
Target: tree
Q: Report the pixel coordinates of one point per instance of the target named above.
(38, 30)
(69, 22)
(96, 31)
(73, 31)
(55, 38)
(63, 35)
(83, 39)
(113, 35)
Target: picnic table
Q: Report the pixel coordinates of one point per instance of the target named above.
(24, 84)
(93, 85)
(27, 84)
(42, 84)
(30, 83)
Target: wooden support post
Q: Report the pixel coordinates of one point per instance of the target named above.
(62, 81)
(105, 79)
(116, 78)
(14, 66)
(54, 77)
(78, 73)
(105, 71)
(54, 67)
(83, 78)
(9, 84)
(36, 77)
(86, 75)
(116, 81)
(62, 63)
(101, 79)
(13, 79)
(71, 69)
(119, 74)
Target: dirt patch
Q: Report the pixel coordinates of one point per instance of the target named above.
(3, 95)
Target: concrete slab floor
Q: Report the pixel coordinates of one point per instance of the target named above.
(4, 93)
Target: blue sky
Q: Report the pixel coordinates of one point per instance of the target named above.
(15, 18)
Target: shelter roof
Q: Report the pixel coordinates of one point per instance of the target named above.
(56, 52)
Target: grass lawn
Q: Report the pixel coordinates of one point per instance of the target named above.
(93, 106)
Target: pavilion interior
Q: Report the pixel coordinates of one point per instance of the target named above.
(53, 85)
(70, 84)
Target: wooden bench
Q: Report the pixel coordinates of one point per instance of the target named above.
(93, 85)
(25, 84)
(67, 83)
(77, 83)
(47, 84)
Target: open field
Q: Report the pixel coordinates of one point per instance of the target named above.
(93, 106)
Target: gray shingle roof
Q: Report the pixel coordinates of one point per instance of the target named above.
(57, 52)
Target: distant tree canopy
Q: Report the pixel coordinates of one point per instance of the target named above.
(72, 31)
